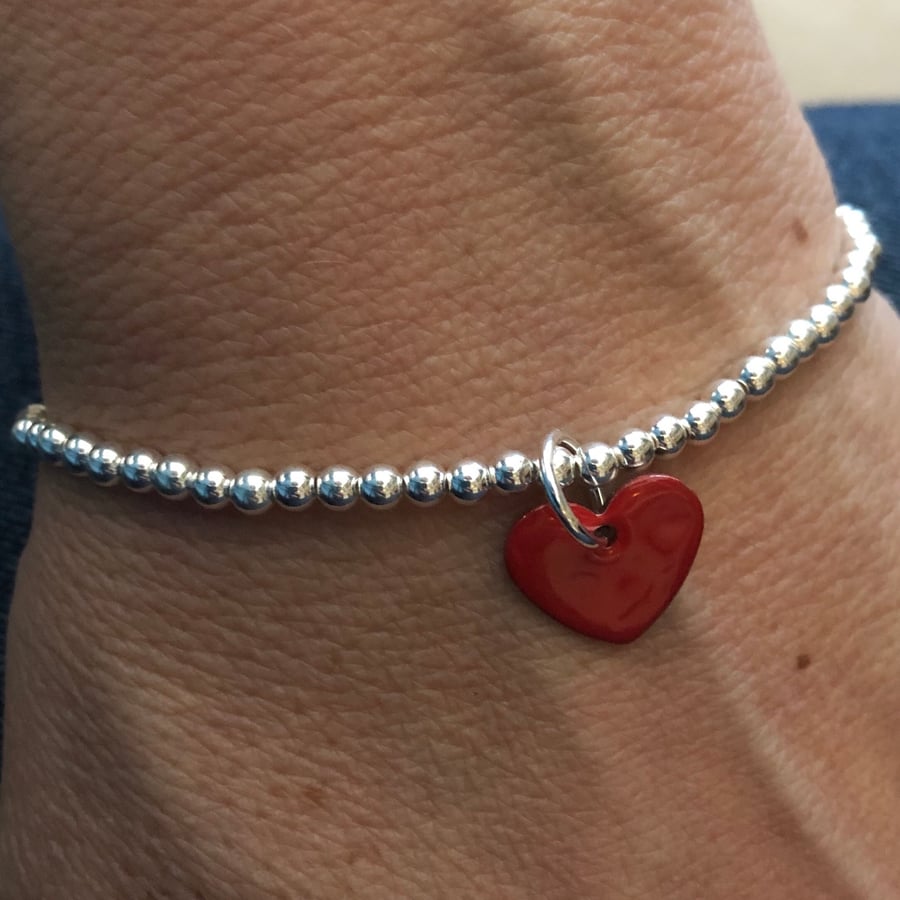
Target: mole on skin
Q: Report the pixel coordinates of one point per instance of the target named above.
(800, 232)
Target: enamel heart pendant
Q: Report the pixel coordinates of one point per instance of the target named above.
(647, 538)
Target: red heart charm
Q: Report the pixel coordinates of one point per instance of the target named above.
(613, 592)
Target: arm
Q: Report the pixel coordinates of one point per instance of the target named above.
(264, 232)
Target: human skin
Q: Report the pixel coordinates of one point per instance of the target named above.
(265, 232)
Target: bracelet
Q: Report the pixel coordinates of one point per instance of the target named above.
(608, 572)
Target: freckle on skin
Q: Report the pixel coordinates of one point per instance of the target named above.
(803, 661)
(315, 795)
(800, 231)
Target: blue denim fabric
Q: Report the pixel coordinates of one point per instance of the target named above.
(860, 143)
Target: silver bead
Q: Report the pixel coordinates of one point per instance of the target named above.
(702, 420)
(104, 463)
(294, 488)
(425, 483)
(172, 477)
(849, 213)
(864, 256)
(671, 435)
(565, 466)
(76, 452)
(251, 491)
(840, 299)
(20, 430)
(338, 487)
(513, 472)
(871, 247)
(52, 442)
(862, 235)
(782, 350)
(730, 396)
(637, 448)
(825, 321)
(758, 375)
(599, 464)
(26, 419)
(381, 486)
(469, 481)
(138, 468)
(858, 282)
(855, 220)
(211, 487)
(33, 437)
(803, 333)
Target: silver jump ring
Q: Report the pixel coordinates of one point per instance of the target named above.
(555, 496)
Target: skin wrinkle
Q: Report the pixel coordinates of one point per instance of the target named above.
(300, 225)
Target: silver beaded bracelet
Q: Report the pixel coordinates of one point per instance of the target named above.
(602, 533)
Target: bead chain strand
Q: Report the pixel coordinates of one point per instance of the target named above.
(338, 487)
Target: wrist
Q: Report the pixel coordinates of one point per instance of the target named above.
(323, 679)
